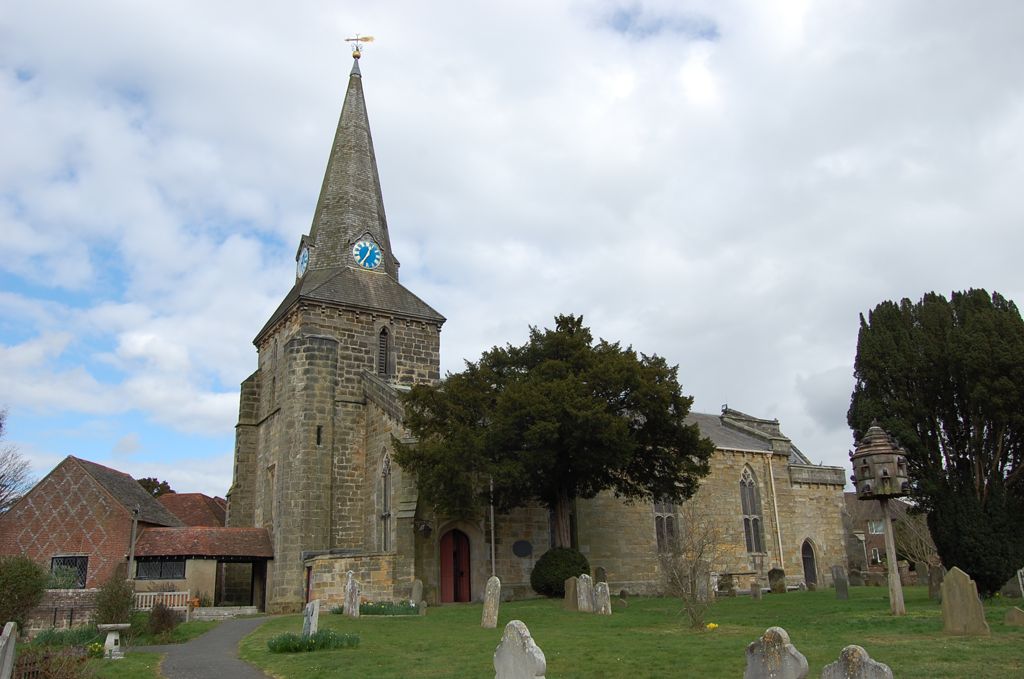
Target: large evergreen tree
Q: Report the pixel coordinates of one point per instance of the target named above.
(946, 378)
(558, 418)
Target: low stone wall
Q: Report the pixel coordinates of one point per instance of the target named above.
(62, 609)
(373, 571)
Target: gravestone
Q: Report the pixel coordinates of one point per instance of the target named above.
(1014, 617)
(311, 618)
(1014, 587)
(854, 663)
(585, 594)
(921, 568)
(777, 580)
(602, 599)
(773, 657)
(518, 656)
(600, 574)
(727, 585)
(856, 578)
(492, 597)
(417, 591)
(936, 574)
(962, 612)
(811, 586)
(351, 596)
(421, 607)
(903, 568)
(755, 589)
(841, 583)
(571, 603)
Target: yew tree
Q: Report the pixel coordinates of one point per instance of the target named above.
(946, 378)
(560, 417)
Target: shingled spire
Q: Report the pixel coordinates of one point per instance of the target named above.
(350, 206)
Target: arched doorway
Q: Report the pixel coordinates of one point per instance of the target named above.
(810, 567)
(455, 567)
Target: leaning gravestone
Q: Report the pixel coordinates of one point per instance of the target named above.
(571, 603)
(841, 583)
(311, 618)
(417, 591)
(936, 574)
(518, 656)
(854, 663)
(773, 657)
(492, 598)
(921, 568)
(352, 596)
(585, 594)
(777, 580)
(600, 574)
(1014, 617)
(602, 599)
(755, 589)
(962, 612)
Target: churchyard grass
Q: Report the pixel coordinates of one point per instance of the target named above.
(651, 638)
(132, 666)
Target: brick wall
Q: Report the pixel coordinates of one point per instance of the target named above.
(61, 609)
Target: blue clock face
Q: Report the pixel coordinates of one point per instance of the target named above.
(367, 254)
(303, 260)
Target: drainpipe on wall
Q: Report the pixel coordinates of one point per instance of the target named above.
(775, 509)
(131, 545)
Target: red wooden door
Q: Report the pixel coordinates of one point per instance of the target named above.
(454, 567)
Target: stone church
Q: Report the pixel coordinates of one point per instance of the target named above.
(316, 420)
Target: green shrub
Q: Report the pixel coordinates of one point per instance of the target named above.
(22, 584)
(387, 608)
(115, 600)
(162, 620)
(52, 663)
(554, 568)
(323, 640)
(337, 610)
(76, 636)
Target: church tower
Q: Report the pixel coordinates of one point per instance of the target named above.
(311, 448)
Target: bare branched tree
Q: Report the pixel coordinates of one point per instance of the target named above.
(686, 565)
(14, 471)
(910, 531)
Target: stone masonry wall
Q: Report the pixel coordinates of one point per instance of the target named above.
(62, 609)
(375, 573)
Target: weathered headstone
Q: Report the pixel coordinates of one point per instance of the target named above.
(585, 594)
(1014, 587)
(903, 568)
(518, 656)
(492, 597)
(841, 583)
(421, 607)
(936, 574)
(727, 585)
(571, 603)
(417, 591)
(1014, 617)
(311, 618)
(921, 568)
(854, 663)
(602, 599)
(777, 580)
(962, 612)
(856, 578)
(755, 589)
(351, 596)
(773, 657)
(600, 574)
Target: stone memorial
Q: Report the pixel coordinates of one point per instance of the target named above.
(600, 574)
(962, 612)
(421, 607)
(727, 585)
(841, 583)
(777, 580)
(1014, 617)
(417, 591)
(773, 657)
(585, 594)
(311, 618)
(856, 578)
(571, 603)
(903, 568)
(921, 568)
(854, 663)
(755, 589)
(936, 574)
(518, 656)
(351, 596)
(112, 644)
(602, 599)
(492, 598)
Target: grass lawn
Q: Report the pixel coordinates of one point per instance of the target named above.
(132, 666)
(649, 638)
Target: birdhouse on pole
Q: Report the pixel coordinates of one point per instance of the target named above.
(879, 466)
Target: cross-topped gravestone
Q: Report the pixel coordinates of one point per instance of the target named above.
(962, 612)
(518, 656)
(773, 657)
(855, 663)
(492, 597)
(585, 594)
(351, 596)
(311, 618)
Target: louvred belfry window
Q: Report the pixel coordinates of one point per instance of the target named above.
(750, 502)
(383, 351)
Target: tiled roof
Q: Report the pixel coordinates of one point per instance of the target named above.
(205, 541)
(129, 493)
(194, 509)
(725, 437)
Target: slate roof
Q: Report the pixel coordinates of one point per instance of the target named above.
(205, 541)
(730, 438)
(194, 509)
(129, 493)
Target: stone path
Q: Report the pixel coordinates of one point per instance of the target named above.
(214, 654)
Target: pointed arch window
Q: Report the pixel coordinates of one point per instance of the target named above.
(665, 524)
(385, 503)
(384, 366)
(750, 504)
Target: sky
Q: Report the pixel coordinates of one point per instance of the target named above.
(726, 184)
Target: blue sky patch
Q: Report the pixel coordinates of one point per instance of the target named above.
(635, 22)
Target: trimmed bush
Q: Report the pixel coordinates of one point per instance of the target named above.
(22, 585)
(554, 567)
(162, 620)
(115, 600)
(323, 640)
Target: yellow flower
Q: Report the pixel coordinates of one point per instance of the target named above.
(712, 625)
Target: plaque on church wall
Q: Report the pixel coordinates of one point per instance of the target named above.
(522, 548)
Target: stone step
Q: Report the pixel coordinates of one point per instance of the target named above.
(222, 612)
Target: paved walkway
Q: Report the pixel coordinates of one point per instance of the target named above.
(212, 655)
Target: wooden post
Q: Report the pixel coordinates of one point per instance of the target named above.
(895, 586)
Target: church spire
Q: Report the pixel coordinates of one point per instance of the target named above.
(350, 208)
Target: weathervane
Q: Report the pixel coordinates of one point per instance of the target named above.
(357, 50)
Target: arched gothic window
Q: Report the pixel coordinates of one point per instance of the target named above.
(385, 503)
(384, 366)
(665, 524)
(750, 503)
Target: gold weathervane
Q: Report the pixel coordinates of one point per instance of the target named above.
(357, 50)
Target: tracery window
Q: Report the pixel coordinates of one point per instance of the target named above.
(385, 503)
(665, 524)
(750, 504)
(384, 366)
